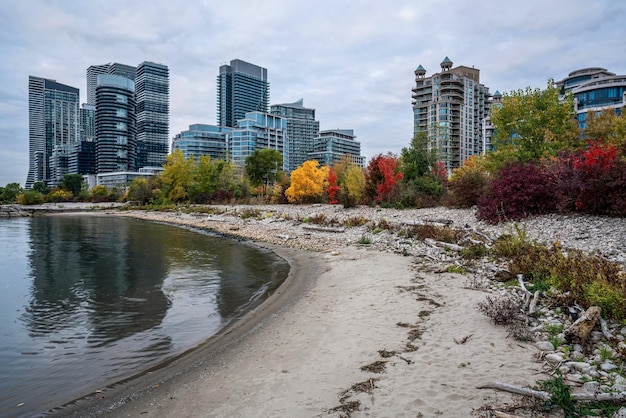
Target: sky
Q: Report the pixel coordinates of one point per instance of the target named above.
(353, 61)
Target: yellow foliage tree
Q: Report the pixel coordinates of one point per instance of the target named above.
(307, 183)
(607, 126)
(178, 175)
(351, 180)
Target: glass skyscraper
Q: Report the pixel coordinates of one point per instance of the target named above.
(116, 142)
(152, 96)
(53, 119)
(302, 128)
(241, 87)
(113, 68)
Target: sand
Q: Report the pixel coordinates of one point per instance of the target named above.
(301, 353)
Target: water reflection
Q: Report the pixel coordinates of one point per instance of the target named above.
(89, 300)
(95, 274)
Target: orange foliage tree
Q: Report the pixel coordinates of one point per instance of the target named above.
(307, 183)
(383, 174)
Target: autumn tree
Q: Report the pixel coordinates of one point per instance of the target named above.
(307, 183)
(351, 181)
(534, 122)
(607, 126)
(178, 176)
(263, 167)
(333, 188)
(382, 176)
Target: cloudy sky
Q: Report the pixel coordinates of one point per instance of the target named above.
(352, 61)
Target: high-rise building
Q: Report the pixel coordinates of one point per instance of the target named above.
(113, 68)
(257, 130)
(202, 139)
(116, 142)
(152, 97)
(241, 87)
(302, 129)
(332, 145)
(594, 89)
(451, 107)
(53, 120)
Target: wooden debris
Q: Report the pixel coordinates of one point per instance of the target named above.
(578, 332)
(545, 396)
(323, 228)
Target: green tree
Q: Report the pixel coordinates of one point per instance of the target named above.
(263, 167)
(178, 176)
(10, 192)
(417, 159)
(41, 187)
(535, 123)
(607, 126)
(73, 183)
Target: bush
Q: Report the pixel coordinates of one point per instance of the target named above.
(30, 197)
(520, 190)
(58, 195)
(99, 193)
(467, 183)
(502, 310)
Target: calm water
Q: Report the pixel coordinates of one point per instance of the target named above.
(85, 301)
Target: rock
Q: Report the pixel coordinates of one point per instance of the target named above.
(554, 358)
(577, 365)
(591, 387)
(607, 367)
(544, 346)
(621, 413)
(503, 276)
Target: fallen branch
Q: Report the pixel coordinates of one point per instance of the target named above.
(323, 228)
(533, 304)
(545, 396)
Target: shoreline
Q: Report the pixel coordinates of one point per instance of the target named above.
(303, 352)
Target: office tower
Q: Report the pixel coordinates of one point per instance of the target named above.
(451, 107)
(302, 128)
(202, 139)
(241, 87)
(152, 94)
(53, 120)
(594, 89)
(113, 68)
(257, 131)
(115, 124)
(331, 145)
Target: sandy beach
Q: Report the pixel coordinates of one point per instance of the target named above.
(353, 332)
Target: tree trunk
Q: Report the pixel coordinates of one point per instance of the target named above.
(578, 332)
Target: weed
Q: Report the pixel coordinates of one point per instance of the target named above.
(364, 240)
(438, 233)
(249, 213)
(606, 353)
(318, 219)
(456, 269)
(553, 329)
(355, 221)
(502, 310)
(474, 251)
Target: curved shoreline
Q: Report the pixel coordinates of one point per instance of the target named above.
(212, 353)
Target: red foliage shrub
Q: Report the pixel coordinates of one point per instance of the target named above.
(519, 190)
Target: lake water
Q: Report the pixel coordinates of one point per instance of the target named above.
(88, 300)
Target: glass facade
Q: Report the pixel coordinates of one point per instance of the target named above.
(257, 130)
(202, 139)
(301, 131)
(116, 142)
(241, 87)
(152, 113)
(54, 126)
(330, 146)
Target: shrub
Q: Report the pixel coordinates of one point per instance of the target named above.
(467, 183)
(30, 197)
(99, 193)
(59, 195)
(519, 190)
(502, 310)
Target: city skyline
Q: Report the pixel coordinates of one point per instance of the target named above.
(354, 65)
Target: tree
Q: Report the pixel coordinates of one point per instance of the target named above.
(263, 166)
(417, 159)
(41, 187)
(534, 122)
(607, 126)
(10, 192)
(307, 183)
(178, 175)
(383, 174)
(351, 180)
(73, 183)
(332, 188)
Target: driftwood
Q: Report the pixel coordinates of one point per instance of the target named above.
(578, 332)
(322, 228)
(440, 244)
(533, 303)
(619, 397)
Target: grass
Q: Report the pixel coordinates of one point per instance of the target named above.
(364, 240)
